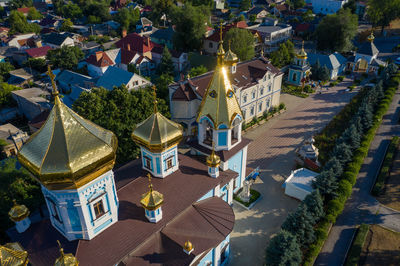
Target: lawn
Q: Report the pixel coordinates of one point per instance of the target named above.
(381, 247)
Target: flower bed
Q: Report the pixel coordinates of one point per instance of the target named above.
(254, 195)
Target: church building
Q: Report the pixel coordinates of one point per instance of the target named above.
(165, 208)
(300, 69)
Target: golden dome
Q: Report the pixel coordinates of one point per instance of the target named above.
(65, 259)
(68, 151)
(12, 254)
(230, 57)
(188, 246)
(18, 212)
(371, 37)
(157, 132)
(213, 160)
(152, 199)
(302, 54)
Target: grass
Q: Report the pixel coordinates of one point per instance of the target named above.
(254, 195)
(385, 170)
(355, 250)
(295, 90)
(381, 247)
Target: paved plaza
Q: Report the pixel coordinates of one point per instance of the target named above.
(272, 150)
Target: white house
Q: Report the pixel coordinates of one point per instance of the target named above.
(57, 40)
(115, 77)
(299, 184)
(326, 6)
(15, 40)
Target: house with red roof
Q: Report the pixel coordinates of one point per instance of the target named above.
(138, 44)
(24, 10)
(98, 63)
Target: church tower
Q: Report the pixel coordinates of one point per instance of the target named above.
(158, 138)
(73, 160)
(151, 202)
(220, 117)
(300, 69)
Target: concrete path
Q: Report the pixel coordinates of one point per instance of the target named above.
(273, 150)
(361, 206)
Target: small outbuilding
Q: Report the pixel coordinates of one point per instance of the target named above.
(299, 183)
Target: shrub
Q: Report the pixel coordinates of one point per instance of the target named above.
(282, 106)
(340, 78)
(355, 251)
(344, 189)
(283, 250)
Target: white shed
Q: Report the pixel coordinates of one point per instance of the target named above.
(299, 184)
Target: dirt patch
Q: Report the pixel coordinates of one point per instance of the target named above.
(391, 195)
(381, 247)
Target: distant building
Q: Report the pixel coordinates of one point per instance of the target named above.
(13, 139)
(299, 184)
(300, 70)
(37, 53)
(98, 63)
(326, 6)
(164, 37)
(57, 40)
(19, 40)
(22, 76)
(273, 35)
(336, 63)
(115, 77)
(258, 11)
(31, 102)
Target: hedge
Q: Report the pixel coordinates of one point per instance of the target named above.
(385, 169)
(355, 251)
(335, 206)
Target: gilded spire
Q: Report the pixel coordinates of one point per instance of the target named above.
(155, 99)
(12, 254)
(53, 83)
(302, 54)
(230, 57)
(152, 199)
(65, 259)
(213, 160)
(220, 51)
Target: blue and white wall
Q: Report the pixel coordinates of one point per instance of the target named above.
(72, 211)
(218, 256)
(160, 164)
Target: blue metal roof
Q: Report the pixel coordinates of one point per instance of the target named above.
(114, 76)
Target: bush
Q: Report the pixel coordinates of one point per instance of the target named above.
(340, 78)
(282, 106)
(386, 165)
(355, 251)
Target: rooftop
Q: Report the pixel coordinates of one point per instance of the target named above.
(302, 178)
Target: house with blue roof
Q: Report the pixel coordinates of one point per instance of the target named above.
(115, 77)
(164, 37)
(72, 84)
(336, 63)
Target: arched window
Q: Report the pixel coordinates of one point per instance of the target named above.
(294, 76)
(235, 130)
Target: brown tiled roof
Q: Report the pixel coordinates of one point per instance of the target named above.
(180, 189)
(224, 155)
(247, 74)
(127, 56)
(137, 43)
(184, 92)
(100, 59)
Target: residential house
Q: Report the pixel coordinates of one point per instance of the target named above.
(326, 6)
(57, 40)
(279, 10)
(302, 29)
(164, 37)
(22, 76)
(144, 27)
(32, 101)
(13, 137)
(18, 40)
(210, 45)
(336, 63)
(139, 44)
(179, 59)
(257, 11)
(37, 122)
(98, 63)
(236, 3)
(89, 48)
(20, 57)
(115, 77)
(72, 84)
(256, 83)
(50, 22)
(24, 10)
(273, 35)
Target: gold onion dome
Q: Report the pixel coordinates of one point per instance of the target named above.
(65, 259)
(371, 37)
(152, 199)
(213, 160)
(230, 57)
(12, 254)
(68, 151)
(302, 54)
(18, 212)
(188, 246)
(157, 132)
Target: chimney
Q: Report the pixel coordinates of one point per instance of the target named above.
(148, 41)
(124, 32)
(128, 46)
(99, 54)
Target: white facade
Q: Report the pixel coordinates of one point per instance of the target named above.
(326, 6)
(14, 41)
(85, 212)
(67, 42)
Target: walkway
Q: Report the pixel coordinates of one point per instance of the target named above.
(361, 206)
(273, 150)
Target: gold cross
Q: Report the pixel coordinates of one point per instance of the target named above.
(155, 99)
(220, 31)
(151, 185)
(52, 78)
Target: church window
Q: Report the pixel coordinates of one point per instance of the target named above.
(261, 91)
(54, 210)
(245, 98)
(269, 87)
(294, 76)
(169, 163)
(252, 111)
(98, 209)
(260, 107)
(230, 94)
(210, 45)
(213, 94)
(223, 254)
(147, 162)
(253, 95)
(268, 102)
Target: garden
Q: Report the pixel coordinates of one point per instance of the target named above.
(343, 145)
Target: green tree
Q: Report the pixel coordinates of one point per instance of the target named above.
(366, 115)
(197, 71)
(300, 224)
(352, 5)
(283, 250)
(326, 183)
(33, 14)
(38, 64)
(308, 16)
(93, 20)
(132, 68)
(5, 94)
(315, 205)
(14, 4)
(245, 5)
(315, 71)
(66, 57)
(18, 185)
(166, 65)
(324, 73)
(334, 165)
(352, 137)
(343, 153)
(253, 18)
(335, 32)
(71, 11)
(98, 10)
(382, 12)
(19, 24)
(66, 25)
(295, 4)
(127, 18)
(162, 82)
(190, 22)
(119, 110)
(284, 55)
(5, 68)
(242, 43)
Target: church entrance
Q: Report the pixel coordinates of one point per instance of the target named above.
(361, 65)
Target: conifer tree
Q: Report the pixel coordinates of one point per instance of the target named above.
(334, 165)
(352, 137)
(326, 183)
(365, 113)
(166, 65)
(315, 205)
(324, 73)
(343, 153)
(283, 250)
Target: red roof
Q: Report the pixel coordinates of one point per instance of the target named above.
(24, 10)
(215, 36)
(38, 52)
(303, 27)
(127, 56)
(136, 43)
(100, 59)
